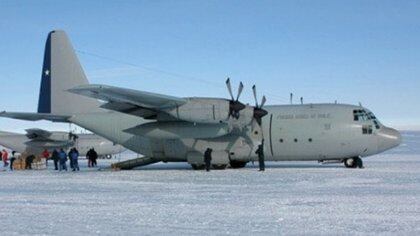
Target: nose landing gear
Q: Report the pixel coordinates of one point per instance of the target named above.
(353, 162)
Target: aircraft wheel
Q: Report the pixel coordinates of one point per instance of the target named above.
(198, 167)
(219, 167)
(237, 164)
(350, 162)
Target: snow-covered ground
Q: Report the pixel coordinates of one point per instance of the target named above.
(289, 198)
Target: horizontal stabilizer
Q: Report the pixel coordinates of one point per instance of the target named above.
(37, 133)
(34, 116)
(49, 144)
(130, 96)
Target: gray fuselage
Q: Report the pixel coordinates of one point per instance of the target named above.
(291, 132)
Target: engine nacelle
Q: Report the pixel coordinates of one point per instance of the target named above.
(211, 111)
(202, 110)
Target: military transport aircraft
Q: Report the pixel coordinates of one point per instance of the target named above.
(37, 140)
(174, 129)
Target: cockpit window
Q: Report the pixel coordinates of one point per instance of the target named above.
(367, 129)
(362, 115)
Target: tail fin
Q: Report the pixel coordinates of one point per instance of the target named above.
(61, 71)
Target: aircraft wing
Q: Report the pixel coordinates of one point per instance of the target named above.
(120, 96)
(38, 134)
(130, 109)
(34, 116)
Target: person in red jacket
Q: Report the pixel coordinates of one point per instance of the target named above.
(46, 155)
(5, 156)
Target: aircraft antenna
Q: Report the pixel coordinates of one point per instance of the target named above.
(291, 98)
(163, 72)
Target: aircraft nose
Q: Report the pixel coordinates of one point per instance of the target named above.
(388, 138)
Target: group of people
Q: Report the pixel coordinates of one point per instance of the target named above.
(59, 156)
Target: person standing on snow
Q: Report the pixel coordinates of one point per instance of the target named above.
(46, 156)
(63, 159)
(207, 158)
(12, 159)
(74, 156)
(260, 153)
(70, 159)
(5, 156)
(29, 159)
(94, 158)
(55, 158)
(89, 157)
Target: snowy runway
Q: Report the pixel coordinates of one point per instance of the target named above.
(289, 198)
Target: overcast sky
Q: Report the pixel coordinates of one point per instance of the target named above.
(350, 51)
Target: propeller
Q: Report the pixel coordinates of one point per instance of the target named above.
(259, 112)
(235, 106)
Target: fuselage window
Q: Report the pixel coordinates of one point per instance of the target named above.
(310, 140)
(281, 140)
(296, 140)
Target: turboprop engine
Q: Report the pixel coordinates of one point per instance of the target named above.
(219, 110)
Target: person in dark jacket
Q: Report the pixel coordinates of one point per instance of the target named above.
(89, 158)
(29, 160)
(74, 156)
(55, 158)
(70, 159)
(63, 159)
(260, 153)
(94, 158)
(12, 159)
(207, 158)
(91, 155)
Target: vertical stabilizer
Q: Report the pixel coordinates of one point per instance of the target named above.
(61, 71)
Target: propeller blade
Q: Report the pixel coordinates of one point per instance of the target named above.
(263, 101)
(229, 87)
(254, 90)
(241, 87)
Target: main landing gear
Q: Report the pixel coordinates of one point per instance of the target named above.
(233, 164)
(198, 167)
(353, 162)
(202, 167)
(237, 164)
